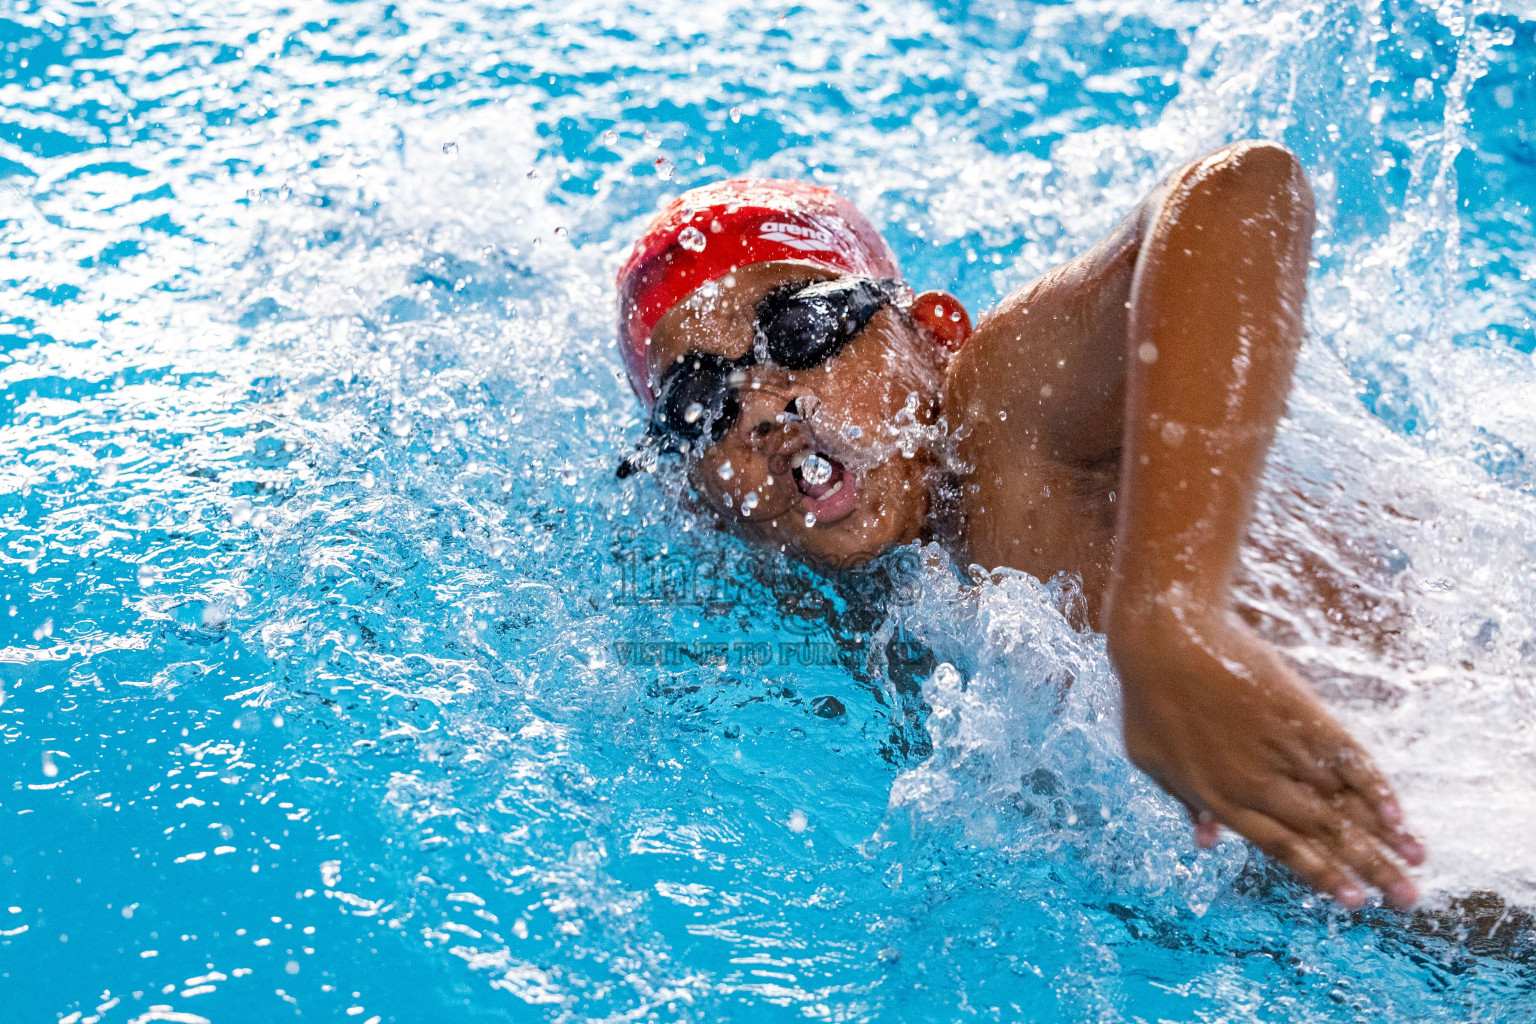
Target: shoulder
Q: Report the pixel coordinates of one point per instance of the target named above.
(1044, 367)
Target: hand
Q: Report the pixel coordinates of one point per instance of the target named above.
(1221, 723)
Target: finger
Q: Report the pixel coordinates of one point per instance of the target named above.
(1302, 855)
(1359, 773)
(1333, 764)
(1369, 858)
(1339, 826)
(1207, 831)
(1397, 888)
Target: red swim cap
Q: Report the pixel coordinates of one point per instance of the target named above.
(713, 230)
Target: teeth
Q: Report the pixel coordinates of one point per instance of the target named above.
(795, 462)
(835, 488)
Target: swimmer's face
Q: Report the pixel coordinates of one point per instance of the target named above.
(813, 461)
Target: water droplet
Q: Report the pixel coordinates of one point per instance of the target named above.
(561, 232)
(735, 115)
(815, 470)
(726, 470)
(692, 413)
(568, 476)
(147, 574)
(49, 768)
(749, 502)
(240, 512)
(520, 928)
(828, 707)
(797, 821)
(460, 430)
(663, 168)
(810, 519)
(369, 480)
(692, 239)
(45, 630)
(400, 426)
(451, 149)
(1147, 352)
(107, 473)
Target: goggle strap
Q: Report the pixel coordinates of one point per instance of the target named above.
(643, 457)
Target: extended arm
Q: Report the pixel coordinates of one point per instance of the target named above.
(1169, 346)
(1211, 712)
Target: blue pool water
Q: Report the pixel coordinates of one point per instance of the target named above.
(329, 643)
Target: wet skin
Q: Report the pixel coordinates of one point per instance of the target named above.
(1109, 419)
(846, 408)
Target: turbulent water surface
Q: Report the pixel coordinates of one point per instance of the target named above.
(339, 677)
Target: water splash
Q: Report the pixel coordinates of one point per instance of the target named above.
(394, 707)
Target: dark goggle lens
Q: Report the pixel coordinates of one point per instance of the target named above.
(699, 395)
(798, 327)
(805, 326)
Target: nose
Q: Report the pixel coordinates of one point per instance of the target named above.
(774, 424)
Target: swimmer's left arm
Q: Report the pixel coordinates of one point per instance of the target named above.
(1211, 711)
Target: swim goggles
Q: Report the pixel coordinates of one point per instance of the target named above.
(797, 327)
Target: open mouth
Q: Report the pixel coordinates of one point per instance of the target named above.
(829, 491)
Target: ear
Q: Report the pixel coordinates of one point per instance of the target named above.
(942, 316)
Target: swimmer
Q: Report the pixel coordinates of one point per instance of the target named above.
(1110, 419)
